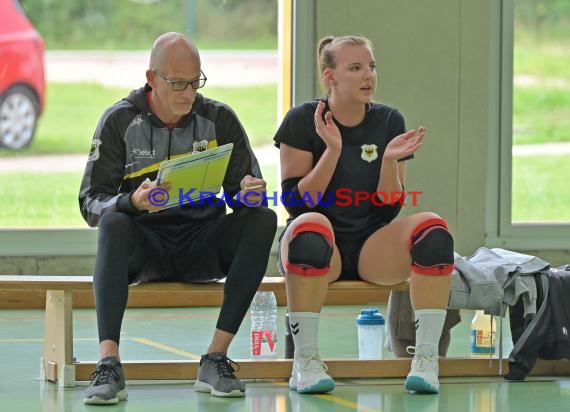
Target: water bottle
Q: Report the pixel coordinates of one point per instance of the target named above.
(264, 326)
(483, 329)
(370, 325)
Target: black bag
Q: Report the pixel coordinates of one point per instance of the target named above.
(545, 335)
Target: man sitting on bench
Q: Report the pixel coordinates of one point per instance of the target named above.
(193, 242)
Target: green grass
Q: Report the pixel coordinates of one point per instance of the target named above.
(26, 204)
(256, 107)
(264, 42)
(541, 95)
(71, 115)
(542, 59)
(540, 189)
(541, 115)
(73, 110)
(40, 199)
(69, 120)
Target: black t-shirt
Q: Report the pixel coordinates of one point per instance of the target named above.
(358, 168)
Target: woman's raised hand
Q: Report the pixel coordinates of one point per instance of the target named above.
(327, 129)
(405, 144)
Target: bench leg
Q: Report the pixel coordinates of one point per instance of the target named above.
(57, 361)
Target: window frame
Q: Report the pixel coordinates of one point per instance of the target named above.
(48, 242)
(500, 231)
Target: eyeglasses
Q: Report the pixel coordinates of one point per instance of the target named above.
(180, 85)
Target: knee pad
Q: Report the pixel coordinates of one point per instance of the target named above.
(431, 247)
(310, 250)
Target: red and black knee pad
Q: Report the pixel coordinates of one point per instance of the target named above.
(310, 250)
(431, 248)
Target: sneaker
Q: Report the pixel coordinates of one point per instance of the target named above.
(309, 373)
(216, 375)
(107, 385)
(423, 376)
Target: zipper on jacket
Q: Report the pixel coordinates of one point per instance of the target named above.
(149, 117)
(169, 142)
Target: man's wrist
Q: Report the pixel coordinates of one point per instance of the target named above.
(125, 204)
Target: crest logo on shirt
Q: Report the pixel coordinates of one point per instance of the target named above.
(94, 152)
(199, 146)
(369, 152)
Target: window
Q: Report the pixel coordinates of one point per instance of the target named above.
(534, 146)
(41, 191)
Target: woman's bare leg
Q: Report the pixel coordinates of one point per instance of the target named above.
(385, 258)
(306, 295)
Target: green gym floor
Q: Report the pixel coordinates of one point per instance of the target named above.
(183, 333)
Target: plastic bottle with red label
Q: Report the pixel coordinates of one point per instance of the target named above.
(263, 312)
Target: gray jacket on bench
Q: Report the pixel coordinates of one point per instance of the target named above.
(492, 279)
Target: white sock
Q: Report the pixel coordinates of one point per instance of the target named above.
(429, 325)
(304, 329)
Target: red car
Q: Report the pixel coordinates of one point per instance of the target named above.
(22, 79)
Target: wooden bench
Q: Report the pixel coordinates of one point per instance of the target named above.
(63, 293)
(60, 294)
(32, 292)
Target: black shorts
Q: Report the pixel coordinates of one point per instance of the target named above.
(349, 254)
(186, 253)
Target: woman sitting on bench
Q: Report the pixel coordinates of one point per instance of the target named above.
(343, 175)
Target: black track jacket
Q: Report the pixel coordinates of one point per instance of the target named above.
(130, 142)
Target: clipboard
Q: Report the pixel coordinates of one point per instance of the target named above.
(196, 176)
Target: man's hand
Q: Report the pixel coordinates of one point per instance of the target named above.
(144, 197)
(252, 189)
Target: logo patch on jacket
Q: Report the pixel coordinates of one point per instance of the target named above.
(138, 153)
(199, 146)
(369, 152)
(137, 121)
(94, 151)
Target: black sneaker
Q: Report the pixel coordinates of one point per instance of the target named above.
(107, 383)
(216, 375)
